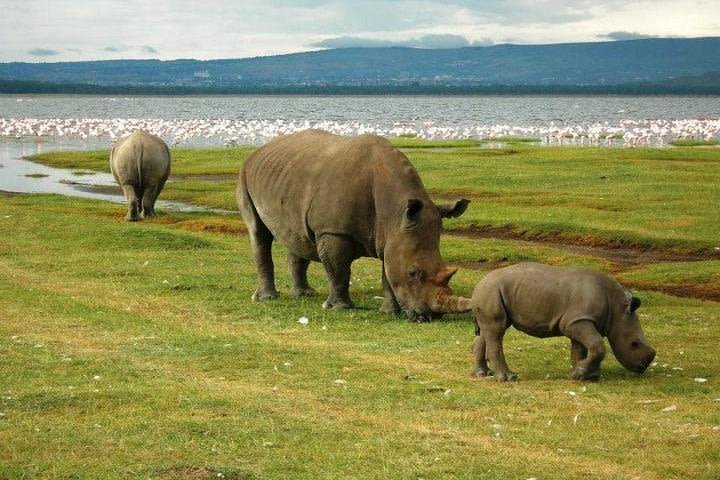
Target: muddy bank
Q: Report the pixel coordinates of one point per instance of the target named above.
(616, 252)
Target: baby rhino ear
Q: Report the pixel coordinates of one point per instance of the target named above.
(634, 304)
(454, 210)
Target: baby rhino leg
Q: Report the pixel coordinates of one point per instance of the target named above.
(481, 365)
(586, 337)
(577, 352)
(492, 322)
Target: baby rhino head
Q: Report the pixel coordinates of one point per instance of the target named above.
(627, 339)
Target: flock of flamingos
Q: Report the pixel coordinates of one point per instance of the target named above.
(230, 132)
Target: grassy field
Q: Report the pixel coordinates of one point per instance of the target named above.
(133, 350)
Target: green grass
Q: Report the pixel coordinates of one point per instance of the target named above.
(647, 198)
(133, 350)
(36, 175)
(512, 139)
(412, 142)
(694, 143)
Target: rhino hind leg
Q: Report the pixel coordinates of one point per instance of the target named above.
(492, 322)
(298, 267)
(261, 240)
(585, 333)
(494, 350)
(479, 351)
(390, 304)
(148, 201)
(336, 255)
(261, 243)
(131, 195)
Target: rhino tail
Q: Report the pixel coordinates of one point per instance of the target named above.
(139, 167)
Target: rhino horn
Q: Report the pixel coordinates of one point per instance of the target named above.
(448, 303)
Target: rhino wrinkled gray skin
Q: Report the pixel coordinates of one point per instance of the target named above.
(333, 199)
(140, 164)
(547, 301)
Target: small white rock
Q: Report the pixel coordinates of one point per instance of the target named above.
(287, 364)
(96, 377)
(700, 380)
(570, 392)
(340, 381)
(303, 321)
(671, 408)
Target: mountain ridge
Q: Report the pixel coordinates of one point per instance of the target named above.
(579, 63)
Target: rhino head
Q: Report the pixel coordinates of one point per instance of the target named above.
(627, 339)
(416, 273)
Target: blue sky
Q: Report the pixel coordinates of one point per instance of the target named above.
(63, 30)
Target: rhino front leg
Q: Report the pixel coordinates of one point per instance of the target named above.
(390, 304)
(133, 201)
(585, 333)
(298, 267)
(577, 352)
(481, 365)
(336, 255)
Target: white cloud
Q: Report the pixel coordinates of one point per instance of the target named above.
(82, 30)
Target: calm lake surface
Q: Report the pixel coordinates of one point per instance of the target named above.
(443, 110)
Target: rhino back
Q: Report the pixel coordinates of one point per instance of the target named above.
(140, 158)
(313, 183)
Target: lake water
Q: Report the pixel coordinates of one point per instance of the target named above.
(22, 176)
(442, 110)
(232, 120)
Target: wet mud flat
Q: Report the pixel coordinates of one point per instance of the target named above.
(19, 175)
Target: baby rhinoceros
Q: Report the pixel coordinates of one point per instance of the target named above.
(140, 164)
(546, 301)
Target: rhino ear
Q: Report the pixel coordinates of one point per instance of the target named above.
(412, 210)
(634, 304)
(454, 210)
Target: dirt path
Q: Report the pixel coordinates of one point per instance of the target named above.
(622, 259)
(621, 255)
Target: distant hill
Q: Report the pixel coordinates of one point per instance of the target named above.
(645, 61)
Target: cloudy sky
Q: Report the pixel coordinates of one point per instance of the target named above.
(62, 30)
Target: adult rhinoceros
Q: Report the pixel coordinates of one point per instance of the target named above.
(333, 199)
(140, 164)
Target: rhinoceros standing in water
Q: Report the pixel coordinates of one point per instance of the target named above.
(140, 164)
(333, 199)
